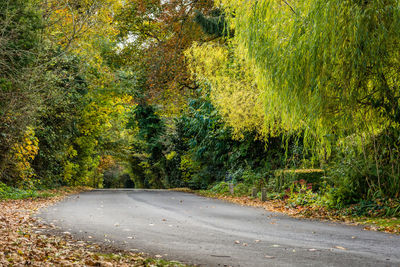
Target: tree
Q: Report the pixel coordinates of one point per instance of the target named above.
(214, 23)
(147, 158)
(72, 24)
(233, 89)
(324, 65)
(59, 96)
(155, 35)
(330, 69)
(20, 25)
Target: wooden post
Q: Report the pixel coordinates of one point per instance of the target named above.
(231, 188)
(263, 194)
(254, 192)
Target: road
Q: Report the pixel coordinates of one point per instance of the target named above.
(209, 232)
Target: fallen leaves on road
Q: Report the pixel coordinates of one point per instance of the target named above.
(269, 257)
(24, 240)
(389, 225)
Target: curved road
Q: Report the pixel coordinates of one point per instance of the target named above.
(209, 232)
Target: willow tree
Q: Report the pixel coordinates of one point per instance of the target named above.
(326, 64)
(233, 90)
(331, 67)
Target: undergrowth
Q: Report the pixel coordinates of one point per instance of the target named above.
(9, 192)
(301, 194)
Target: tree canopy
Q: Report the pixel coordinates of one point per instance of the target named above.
(331, 66)
(174, 93)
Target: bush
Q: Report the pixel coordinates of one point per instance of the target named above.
(376, 208)
(220, 188)
(254, 178)
(242, 189)
(301, 194)
(285, 178)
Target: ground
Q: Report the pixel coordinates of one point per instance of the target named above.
(26, 241)
(211, 232)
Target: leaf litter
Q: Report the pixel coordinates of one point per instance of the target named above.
(25, 240)
(391, 225)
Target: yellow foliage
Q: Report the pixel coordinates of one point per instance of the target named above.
(233, 88)
(188, 166)
(106, 162)
(23, 153)
(75, 23)
(170, 155)
(70, 171)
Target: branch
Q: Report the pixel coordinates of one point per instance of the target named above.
(291, 8)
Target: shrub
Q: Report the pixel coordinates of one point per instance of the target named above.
(254, 178)
(242, 189)
(301, 194)
(284, 178)
(220, 188)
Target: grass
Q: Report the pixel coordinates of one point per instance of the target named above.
(8, 192)
(138, 259)
(389, 225)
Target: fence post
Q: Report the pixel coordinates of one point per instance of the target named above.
(254, 192)
(263, 194)
(231, 188)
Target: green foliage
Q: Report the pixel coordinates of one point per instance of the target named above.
(211, 145)
(361, 173)
(301, 194)
(377, 207)
(265, 91)
(208, 142)
(20, 24)
(197, 149)
(241, 189)
(325, 65)
(69, 100)
(220, 188)
(147, 159)
(7, 192)
(57, 123)
(233, 90)
(284, 178)
(254, 178)
(213, 24)
(328, 72)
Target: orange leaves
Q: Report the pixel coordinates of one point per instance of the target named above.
(106, 162)
(163, 30)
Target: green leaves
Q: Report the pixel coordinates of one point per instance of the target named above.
(318, 64)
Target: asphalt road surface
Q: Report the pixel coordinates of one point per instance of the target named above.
(208, 232)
